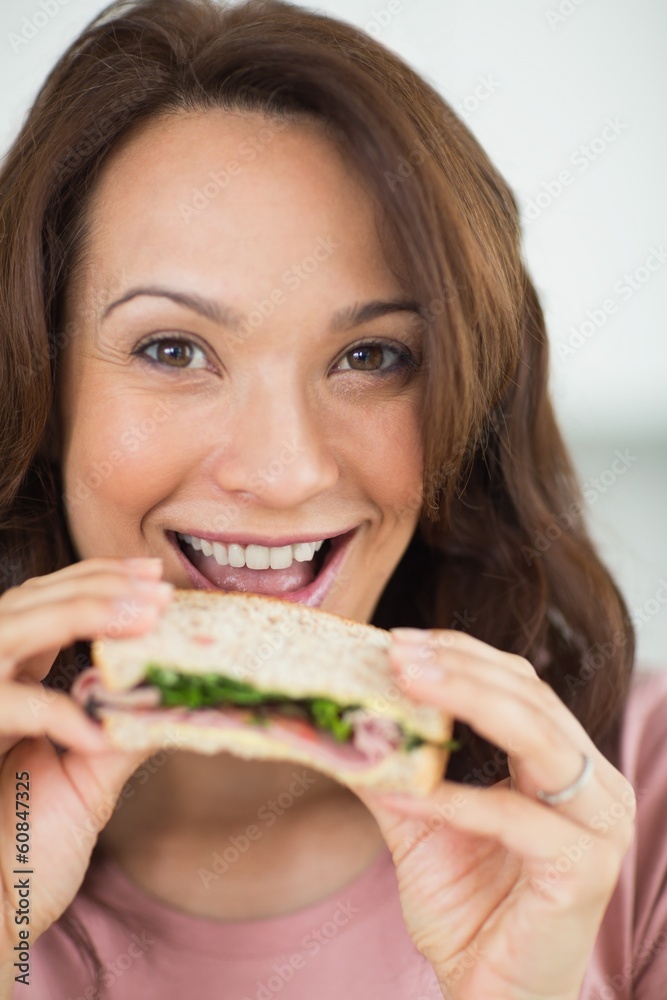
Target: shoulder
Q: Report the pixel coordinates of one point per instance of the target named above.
(630, 958)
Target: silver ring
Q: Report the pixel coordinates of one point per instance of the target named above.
(556, 798)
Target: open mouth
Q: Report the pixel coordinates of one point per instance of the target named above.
(305, 582)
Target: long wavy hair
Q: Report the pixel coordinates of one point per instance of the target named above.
(501, 548)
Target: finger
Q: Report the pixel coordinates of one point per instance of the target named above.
(89, 797)
(532, 732)
(515, 676)
(150, 567)
(558, 850)
(77, 617)
(425, 642)
(113, 585)
(97, 782)
(109, 579)
(511, 673)
(32, 710)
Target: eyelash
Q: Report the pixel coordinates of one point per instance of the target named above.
(406, 361)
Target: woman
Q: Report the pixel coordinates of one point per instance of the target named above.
(261, 287)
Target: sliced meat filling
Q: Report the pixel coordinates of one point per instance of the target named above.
(354, 735)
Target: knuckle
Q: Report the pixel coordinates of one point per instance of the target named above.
(548, 694)
(538, 731)
(627, 833)
(629, 799)
(9, 596)
(88, 605)
(605, 863)
(444, 639)
(522, 665)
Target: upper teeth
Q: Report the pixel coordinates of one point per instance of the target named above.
(254, 556)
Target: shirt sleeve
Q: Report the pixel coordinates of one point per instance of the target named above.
(646, 747)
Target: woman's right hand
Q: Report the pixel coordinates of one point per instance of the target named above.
(72, 793)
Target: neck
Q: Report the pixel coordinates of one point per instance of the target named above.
(185, 791)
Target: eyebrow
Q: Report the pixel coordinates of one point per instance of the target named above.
(224, 316)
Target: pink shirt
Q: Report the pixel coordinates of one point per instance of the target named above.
(354, 944)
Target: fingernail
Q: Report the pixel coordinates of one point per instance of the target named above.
(418, 662)
(411, 635)
(430, 673)
(144, 566)
(131, 607)
(153, 589)
(418, 652)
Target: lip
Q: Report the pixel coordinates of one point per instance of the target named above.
(264, 540)
(312, 596)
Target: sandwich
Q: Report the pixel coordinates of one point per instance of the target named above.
(261, 677)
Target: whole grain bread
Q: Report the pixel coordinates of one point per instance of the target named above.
(418, 771)
(274, 645)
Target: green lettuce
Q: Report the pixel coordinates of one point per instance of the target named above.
(211, 690)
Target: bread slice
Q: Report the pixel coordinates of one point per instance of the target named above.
(418, 771)
(275, 646)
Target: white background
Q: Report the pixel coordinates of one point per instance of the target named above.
(537, 81)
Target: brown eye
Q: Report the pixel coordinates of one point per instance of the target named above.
(174, 352)
(366, 358)
(171, 352)
(377, 358)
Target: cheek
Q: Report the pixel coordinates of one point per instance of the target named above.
(386, 453)
(123, 454)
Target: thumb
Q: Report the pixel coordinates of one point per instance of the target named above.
(397, 830)
(98, 780)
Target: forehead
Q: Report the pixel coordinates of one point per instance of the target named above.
(236, 190)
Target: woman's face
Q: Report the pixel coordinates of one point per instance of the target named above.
(215, 384)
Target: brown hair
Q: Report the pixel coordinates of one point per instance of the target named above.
(501, 548)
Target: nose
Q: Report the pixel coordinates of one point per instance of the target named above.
(279, 451)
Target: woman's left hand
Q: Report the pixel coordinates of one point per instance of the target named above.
(502, 893)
